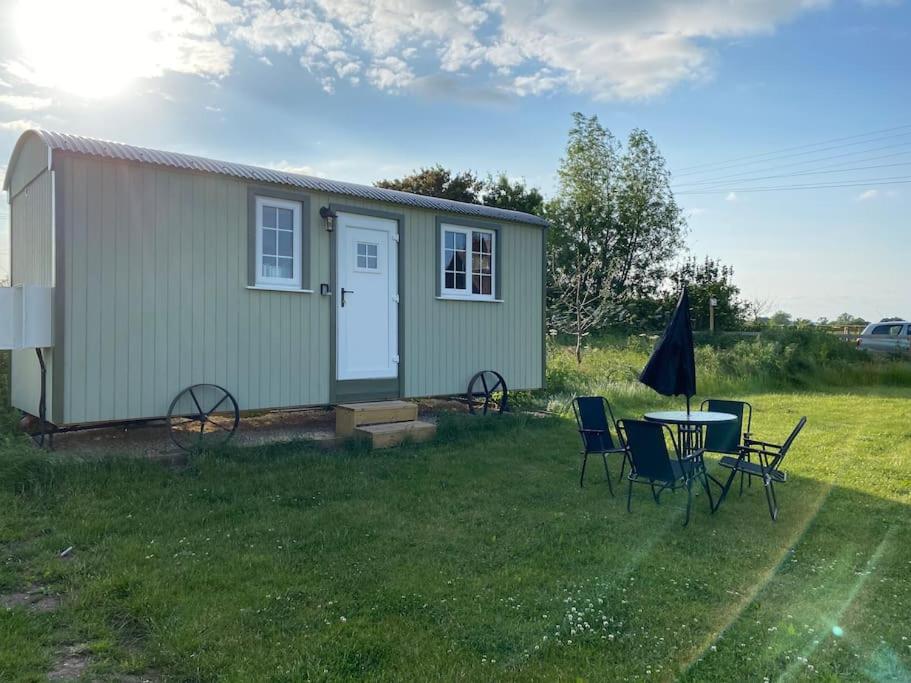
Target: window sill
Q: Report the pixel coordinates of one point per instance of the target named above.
(469, 298)
(278, 288)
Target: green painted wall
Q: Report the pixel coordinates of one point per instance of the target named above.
(32, 263)
(154, 265)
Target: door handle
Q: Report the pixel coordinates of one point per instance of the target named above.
(344, 292)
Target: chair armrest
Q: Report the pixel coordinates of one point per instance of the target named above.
(764, 444)
(695, 455)
(592, 431)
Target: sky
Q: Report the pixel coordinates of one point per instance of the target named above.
(754, 104)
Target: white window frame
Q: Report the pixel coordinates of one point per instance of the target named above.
(453, 293)
(295, 281)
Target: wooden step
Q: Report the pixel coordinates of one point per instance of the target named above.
(349, 416)
(395, 433)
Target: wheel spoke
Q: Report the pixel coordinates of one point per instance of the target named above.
(198, 407)
(213, 408)
(484, 383)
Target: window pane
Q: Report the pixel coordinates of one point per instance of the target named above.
(270, 268)
(450, 240)
(269, 242)
(450, 281)
(460, 241)
(460, 262)
(372, 262)
(285, 219)
(361, 261)
(285, 268)
(371, 249)
(361, 249)
(285, 243)
(268, 216)
(450, 261)
(460, 281)
(481, 264)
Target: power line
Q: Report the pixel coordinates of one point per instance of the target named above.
(898, 180)
(789, 149)
(803, 173)
(806, 162)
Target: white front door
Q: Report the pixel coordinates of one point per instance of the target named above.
(367, 340)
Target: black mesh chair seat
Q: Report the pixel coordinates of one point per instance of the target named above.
(651, 463)
(751, 468)
(766, 467)
(593, 419)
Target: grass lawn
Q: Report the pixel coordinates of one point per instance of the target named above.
(477, 557)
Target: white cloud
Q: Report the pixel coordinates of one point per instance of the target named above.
(24, 102)
(867, 195)
(390, 73)
(621, 49)
(731, 197)
(18, 125)
(212, 108)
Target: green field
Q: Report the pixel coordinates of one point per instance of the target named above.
(478, 557)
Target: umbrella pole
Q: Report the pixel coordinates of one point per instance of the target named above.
(687, 406)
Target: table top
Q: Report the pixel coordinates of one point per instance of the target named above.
(695, 417)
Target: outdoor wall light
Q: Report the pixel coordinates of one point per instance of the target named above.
(329, 216)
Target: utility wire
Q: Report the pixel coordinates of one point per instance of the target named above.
(789, 149)
(739, 174)
(893, 180)
(803, 173)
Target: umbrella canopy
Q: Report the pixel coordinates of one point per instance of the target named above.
(672, 368)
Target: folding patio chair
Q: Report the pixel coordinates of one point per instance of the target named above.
(724, 438)
(651, 463)
(768, 467)
(592, 421)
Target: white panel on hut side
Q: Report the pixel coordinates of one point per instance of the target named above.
(32, 263)
(10, 318)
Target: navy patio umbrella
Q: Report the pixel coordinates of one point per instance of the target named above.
(671, 370)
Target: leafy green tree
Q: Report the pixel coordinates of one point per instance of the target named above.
(437, 181)
(781, 319)
(583, 219)
(650, 223)
(710, 279)
(848, 319)
(503, 193)
(614, 228)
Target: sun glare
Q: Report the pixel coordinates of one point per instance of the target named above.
(92, 48)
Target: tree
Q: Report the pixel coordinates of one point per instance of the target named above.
(437, 181)
(848, 319)
(781, 319)
(582, 216)
(614, 227)
(707, 280)
(651, 225)
(503, 193)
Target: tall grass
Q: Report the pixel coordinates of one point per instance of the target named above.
(780, 360)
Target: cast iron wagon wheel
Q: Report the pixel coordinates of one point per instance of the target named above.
(202, 416)
(487, 392)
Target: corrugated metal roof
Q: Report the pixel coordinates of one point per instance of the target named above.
(104, 149)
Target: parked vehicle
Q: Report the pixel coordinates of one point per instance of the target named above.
(886, 337)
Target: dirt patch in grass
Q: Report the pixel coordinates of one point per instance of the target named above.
(69, 664)
(35, 600)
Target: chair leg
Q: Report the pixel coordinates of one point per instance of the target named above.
(689, 500)
(610, 487)
(770, 499)
(629, 497)
(582, 476)
(725, 488)
(622, 467)
(656, 495)
(708, 491)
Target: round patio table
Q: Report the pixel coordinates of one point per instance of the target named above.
(689, 424)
